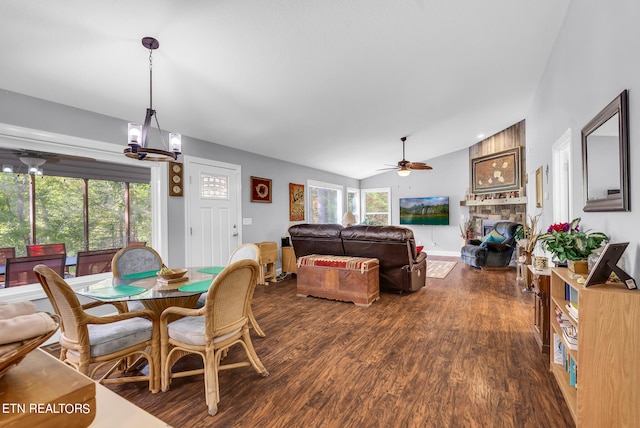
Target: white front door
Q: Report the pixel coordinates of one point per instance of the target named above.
(213, 211)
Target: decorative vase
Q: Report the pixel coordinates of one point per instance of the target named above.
(578, 266)
(540, 262)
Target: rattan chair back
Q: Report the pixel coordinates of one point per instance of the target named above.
(135, 259)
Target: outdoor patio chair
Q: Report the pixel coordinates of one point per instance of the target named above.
(19, 270)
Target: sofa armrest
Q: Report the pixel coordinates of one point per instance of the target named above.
(420, 257)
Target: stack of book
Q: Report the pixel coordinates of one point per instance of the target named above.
(573, 311)
(570, 335)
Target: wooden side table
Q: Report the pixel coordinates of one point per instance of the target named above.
(289, 260)
(541, 284)
(268, 259)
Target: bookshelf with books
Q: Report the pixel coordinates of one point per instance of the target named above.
(594, 333)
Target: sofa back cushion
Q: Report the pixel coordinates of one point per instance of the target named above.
(316, 239)
(391, 245)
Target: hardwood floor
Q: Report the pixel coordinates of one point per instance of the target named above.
(458, 353)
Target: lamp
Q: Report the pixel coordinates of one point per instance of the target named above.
(7, 168)
(404, 171)
(33, 164)
(348, 219)
(138, 134)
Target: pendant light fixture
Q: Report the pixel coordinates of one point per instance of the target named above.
(138, 135)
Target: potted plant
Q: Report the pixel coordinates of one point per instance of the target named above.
(569, 244)
(528, 235)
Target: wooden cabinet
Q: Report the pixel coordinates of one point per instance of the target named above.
(607, 371)
(540, 283)
(289, 260)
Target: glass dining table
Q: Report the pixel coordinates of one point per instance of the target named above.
(154, 293)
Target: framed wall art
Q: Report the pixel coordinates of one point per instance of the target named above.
(296, 202)
(498, 172)
(260, 189)
(539, 188)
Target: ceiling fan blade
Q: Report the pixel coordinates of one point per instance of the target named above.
(418, 166)
(387, 169)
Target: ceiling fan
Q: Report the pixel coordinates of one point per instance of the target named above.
(34, 159)
(404, 167)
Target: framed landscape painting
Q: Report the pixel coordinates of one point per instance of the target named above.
(498, 172)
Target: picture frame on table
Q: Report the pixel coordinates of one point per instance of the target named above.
(497, 172)
(260, 189)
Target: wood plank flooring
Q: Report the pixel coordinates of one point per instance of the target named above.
(458, 353)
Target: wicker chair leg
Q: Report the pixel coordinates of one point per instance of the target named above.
(255, 325)
(212, 389)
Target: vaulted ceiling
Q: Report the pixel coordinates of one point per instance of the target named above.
(331, 84)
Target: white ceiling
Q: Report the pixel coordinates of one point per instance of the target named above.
(330, 84)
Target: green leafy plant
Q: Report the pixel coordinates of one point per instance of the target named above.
(567, 242)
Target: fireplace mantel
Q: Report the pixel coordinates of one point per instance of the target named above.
(503, 201)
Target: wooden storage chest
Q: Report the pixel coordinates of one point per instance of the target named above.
(349, 279)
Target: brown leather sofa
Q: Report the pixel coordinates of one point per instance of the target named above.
(401, 269)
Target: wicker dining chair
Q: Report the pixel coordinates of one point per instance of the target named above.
(135, 259)
(242, 252)
(86, 339)
(211, 330)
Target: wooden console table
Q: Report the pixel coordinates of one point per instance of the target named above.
(540, 282)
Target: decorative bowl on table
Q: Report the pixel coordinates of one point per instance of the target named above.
(174, 274)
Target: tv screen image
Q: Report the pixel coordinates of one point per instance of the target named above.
(432, 211)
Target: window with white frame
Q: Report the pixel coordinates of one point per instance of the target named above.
(376, 206)
(325, 202)
(353, 202)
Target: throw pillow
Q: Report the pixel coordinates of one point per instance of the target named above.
(493, 236)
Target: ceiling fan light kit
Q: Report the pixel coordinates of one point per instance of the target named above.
(138, 134)
(34, 164)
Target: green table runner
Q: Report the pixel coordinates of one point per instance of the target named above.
(115, 292)
(213, 270)
(141, 275)
(197, 287)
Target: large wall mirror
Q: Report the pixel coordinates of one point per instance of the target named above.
(605, 158)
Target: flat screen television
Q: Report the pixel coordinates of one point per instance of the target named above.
(433, 210)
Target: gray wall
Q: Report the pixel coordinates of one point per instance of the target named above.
(270, 221)
(594, 59)
(449, 177)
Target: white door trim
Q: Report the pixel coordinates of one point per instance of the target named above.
(188, 203)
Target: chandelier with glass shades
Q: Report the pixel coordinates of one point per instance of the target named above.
(138, 135)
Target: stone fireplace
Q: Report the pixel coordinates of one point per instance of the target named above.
(485, 216)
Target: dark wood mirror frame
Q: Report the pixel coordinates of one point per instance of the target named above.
(617, 200)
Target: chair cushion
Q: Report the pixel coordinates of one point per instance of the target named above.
(190, 330)
(109, 338)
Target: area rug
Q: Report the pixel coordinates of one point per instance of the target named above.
(439, 268)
